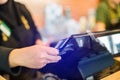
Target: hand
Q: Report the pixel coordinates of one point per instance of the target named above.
(36, 56)
(39, 42)
(100, 26)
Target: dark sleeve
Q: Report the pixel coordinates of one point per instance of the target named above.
(4, 64)
(101, 14)
(27, 14)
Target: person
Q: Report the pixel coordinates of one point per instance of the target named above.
(20, 43)
(108, 15)
(17, 31)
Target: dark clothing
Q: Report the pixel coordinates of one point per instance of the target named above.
(17, 30)
(20, 36)
(4, 65)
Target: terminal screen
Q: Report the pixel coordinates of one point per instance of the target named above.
(111, 42)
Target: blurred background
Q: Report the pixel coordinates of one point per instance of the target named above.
(62, 17)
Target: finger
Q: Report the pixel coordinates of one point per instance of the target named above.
(53, 58)
(47, 43)
(52, 62)
(52, 51)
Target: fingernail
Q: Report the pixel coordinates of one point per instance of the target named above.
(59, 58)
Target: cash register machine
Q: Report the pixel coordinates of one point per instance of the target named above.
(100, 47)
(103, 58)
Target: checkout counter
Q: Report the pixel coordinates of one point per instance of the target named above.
(116, 74)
